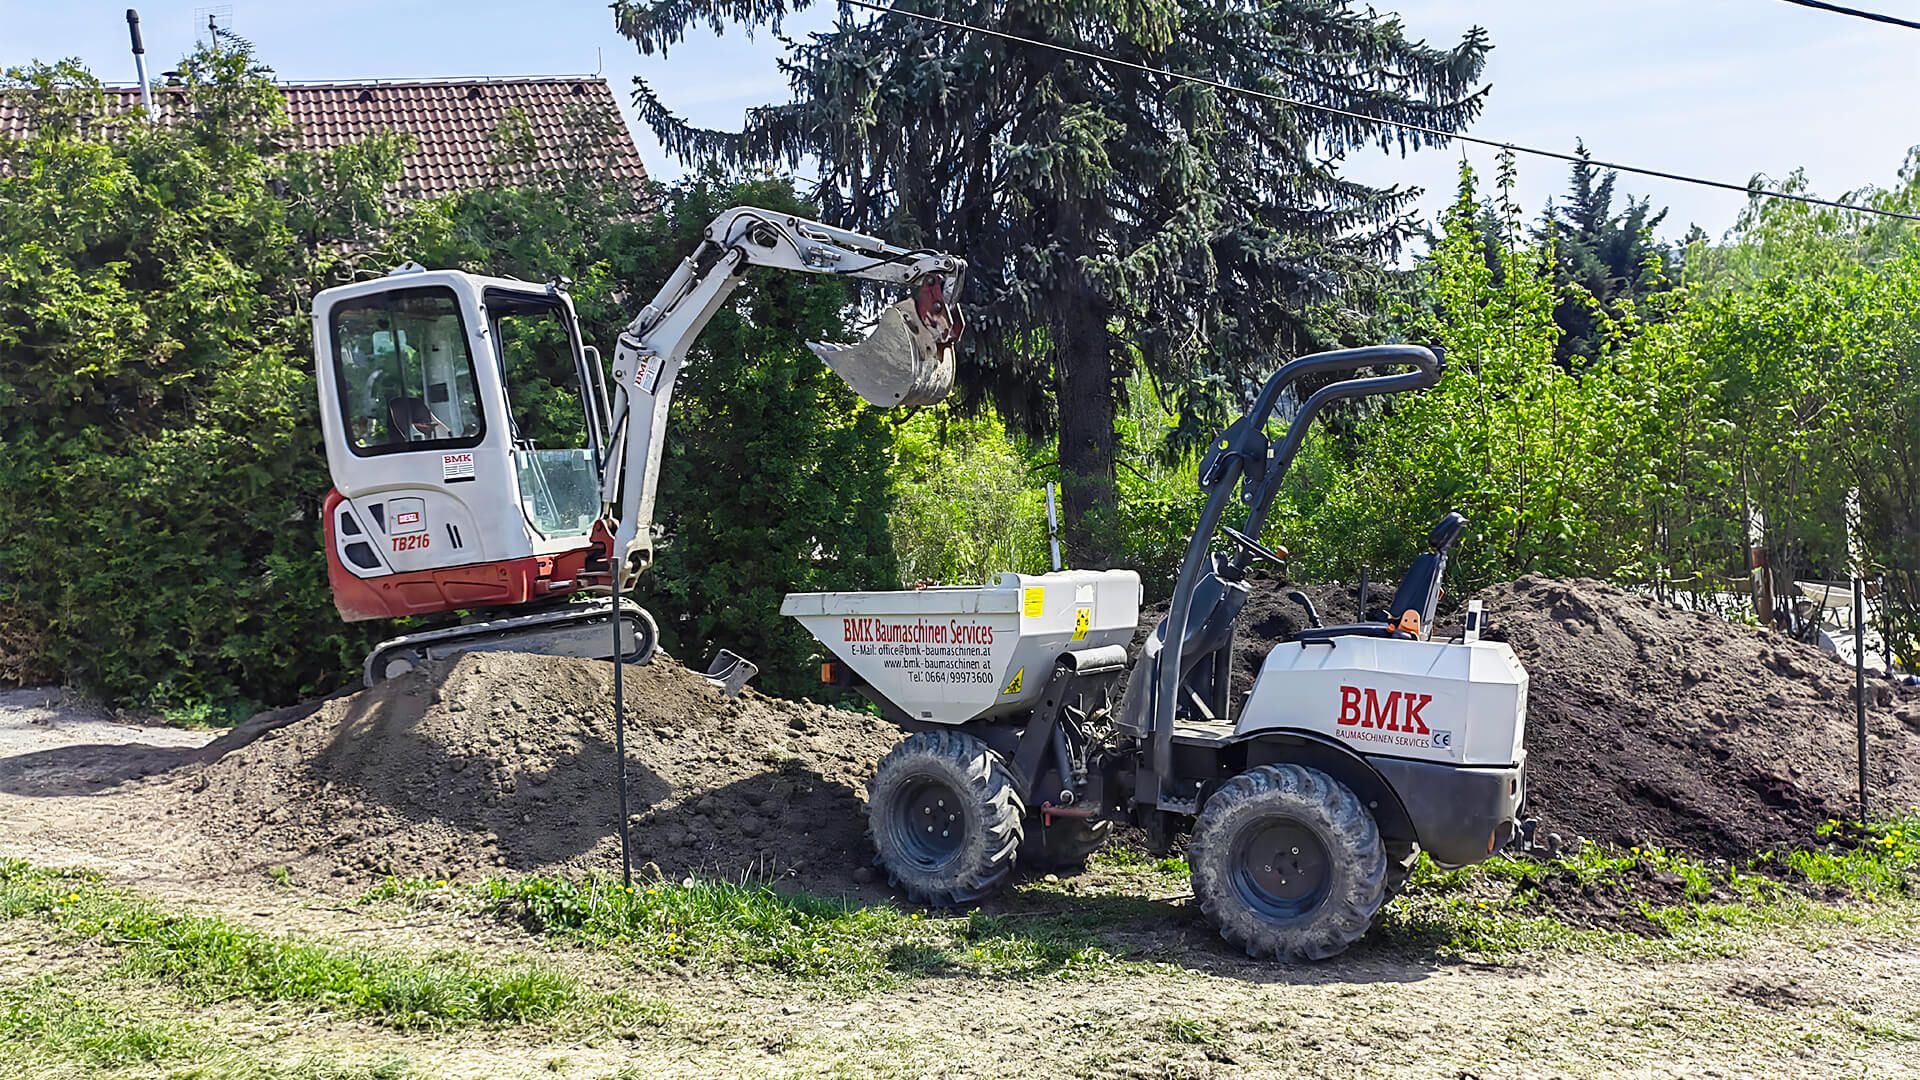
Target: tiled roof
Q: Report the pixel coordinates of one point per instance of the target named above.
(453, 124)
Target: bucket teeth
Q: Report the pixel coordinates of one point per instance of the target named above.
(900, 364)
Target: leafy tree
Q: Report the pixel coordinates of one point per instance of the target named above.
(969, 503)
(1114, 218)
(1777, 388)
(1553, 469)
(1476, 443)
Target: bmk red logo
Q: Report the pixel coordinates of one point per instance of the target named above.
(1398, 711)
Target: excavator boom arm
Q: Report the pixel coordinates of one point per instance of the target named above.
(908, 360)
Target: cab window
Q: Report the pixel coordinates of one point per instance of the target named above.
(405, 373)
(553, 461)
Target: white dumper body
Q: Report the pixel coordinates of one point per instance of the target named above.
(1451, 703)
(951, 655)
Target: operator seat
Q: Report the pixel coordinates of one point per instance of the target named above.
(1418, 594)
(412, 419)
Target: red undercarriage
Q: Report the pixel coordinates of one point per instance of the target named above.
(453, 588)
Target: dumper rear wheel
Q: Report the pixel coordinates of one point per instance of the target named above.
(1287, 863)
(945, 818)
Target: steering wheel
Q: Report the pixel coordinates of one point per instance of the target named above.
(1254, 547)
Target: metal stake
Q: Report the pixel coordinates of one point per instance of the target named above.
(1860, 683)
(620, 717)
(1053, 527)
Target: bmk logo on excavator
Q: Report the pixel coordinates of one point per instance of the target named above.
(1362, 706)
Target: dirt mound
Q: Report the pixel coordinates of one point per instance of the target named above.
(1647, 724)
(504, 762)
(1617, 900)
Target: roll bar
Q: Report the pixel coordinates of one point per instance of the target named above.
(1243, 450)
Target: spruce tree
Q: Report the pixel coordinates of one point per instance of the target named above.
(1612, 256)
(1115, 219)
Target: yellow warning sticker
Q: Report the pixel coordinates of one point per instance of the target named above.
(1033, 602)
(1019, 680)
(1081, 617)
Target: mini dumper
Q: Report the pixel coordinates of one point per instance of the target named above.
(1358, 746)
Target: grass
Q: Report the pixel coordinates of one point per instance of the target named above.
(1654, 903)
(216, 961)
(1660, 903)
(48, 1031)
(203, 715)
(1863, 859)
(1186, 1029)
(706, 924)
(1664, 903)
(85, 1030)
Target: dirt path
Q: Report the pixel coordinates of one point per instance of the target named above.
(66, 768)
(78, 788)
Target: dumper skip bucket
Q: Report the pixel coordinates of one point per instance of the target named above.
(951, 655)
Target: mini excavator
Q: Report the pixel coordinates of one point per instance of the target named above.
(443, 504)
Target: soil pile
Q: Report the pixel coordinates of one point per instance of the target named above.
(1648, 724)
(504, 762)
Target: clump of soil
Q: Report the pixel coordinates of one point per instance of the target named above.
(1618, 900)
(504, 762)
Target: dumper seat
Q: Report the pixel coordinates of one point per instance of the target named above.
(1411, 614)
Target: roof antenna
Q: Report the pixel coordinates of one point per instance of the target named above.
(214, 14)
(140, 65)
(599, 62)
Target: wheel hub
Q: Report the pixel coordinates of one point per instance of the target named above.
(928, 822)
(1280, 868)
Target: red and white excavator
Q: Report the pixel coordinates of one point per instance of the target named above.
(443, 503)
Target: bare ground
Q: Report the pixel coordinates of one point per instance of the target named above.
(77, 788)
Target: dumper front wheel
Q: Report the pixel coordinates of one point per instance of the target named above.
(1287, 863)
(945, 818)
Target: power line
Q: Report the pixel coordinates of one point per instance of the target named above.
(1403, 125)
(1822, 5)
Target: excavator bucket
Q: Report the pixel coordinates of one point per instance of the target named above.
(907, 359)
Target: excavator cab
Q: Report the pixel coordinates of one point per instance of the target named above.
(465, 422)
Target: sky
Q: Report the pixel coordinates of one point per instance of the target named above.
(1719, 88)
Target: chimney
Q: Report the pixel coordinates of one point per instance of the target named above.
(140, 65)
